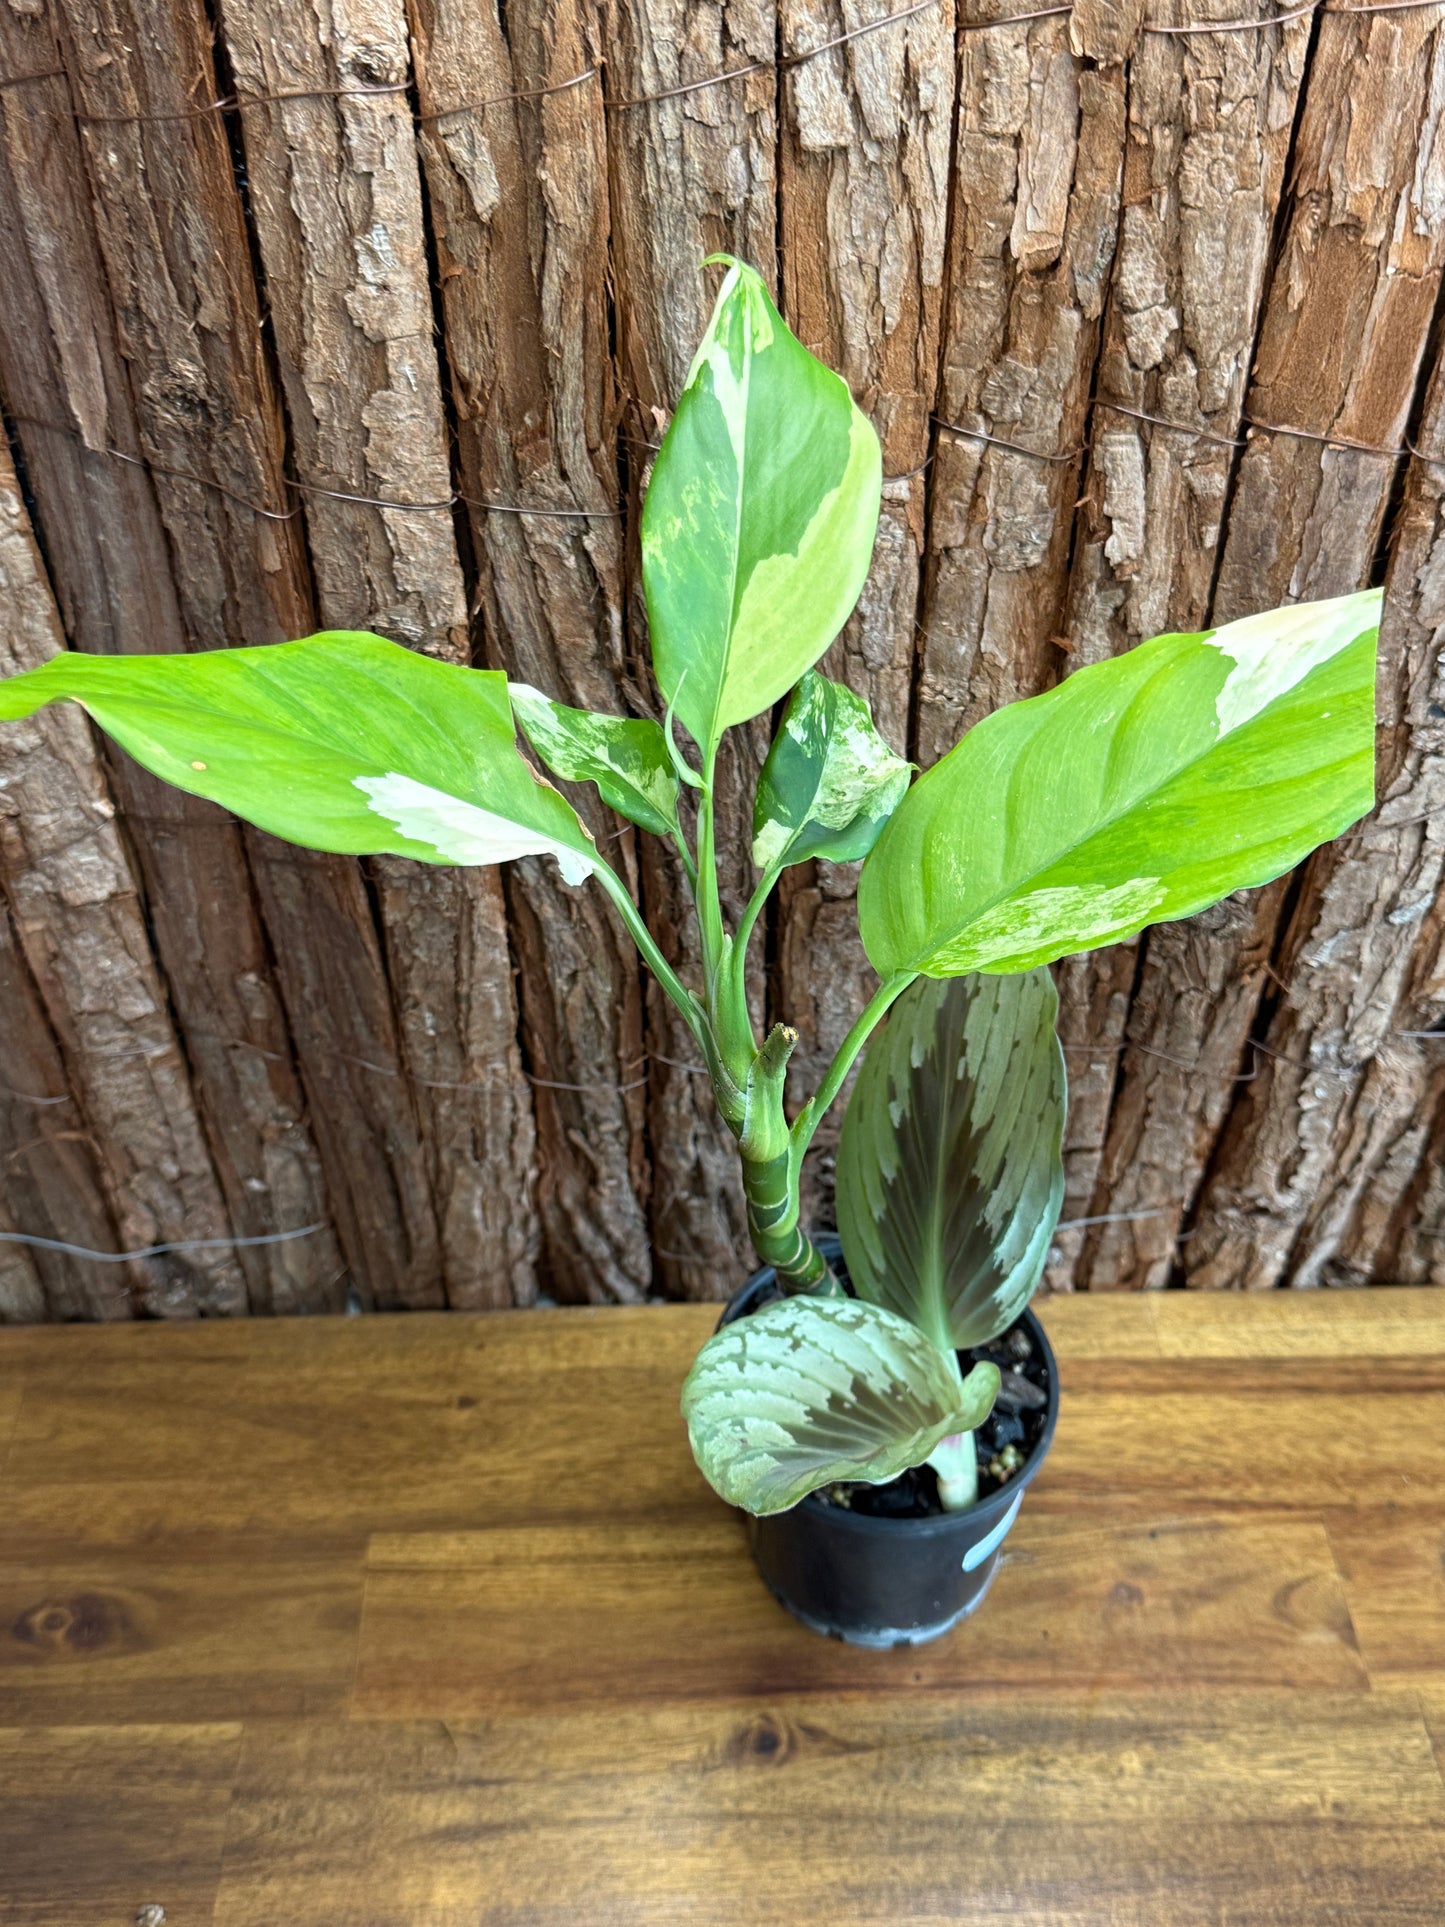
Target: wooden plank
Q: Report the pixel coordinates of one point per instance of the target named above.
(193, 1627)
(1319, 1809)
(1392, 1563)
(111, 566)
(864, 174)
(1379, 1323)
(1344, 1078)
(334, 190)
(1344, 333)
(518, 207)
(1039, 156)
(99, 1823)
(544, 1618)
(692, 172)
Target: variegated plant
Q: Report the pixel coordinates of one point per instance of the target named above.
(1139, 790)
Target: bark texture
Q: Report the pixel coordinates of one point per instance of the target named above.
(518, 198)
(1345, 332)
(336, 199)
(1209, 125)
(65, 385)
(867, 129)
(691, 174)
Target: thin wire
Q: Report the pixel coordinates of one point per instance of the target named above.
(776, 65)
(1016, 448)
(156, 1251)
(1108, 1217)
(1182, 428)
(1254, 26)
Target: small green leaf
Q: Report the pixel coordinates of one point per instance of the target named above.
(950, 1176)
(830, 782)
(1140, 790)
(757, 530)
(810, 1390)
(341, 742)
(626, 757)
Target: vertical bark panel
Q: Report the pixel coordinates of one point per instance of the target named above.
(692, 174)
(518, 198)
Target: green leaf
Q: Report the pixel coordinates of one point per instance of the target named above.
(830, 782)
(810, 1390)
(341, 742)
(626, 757)
(950, 1176)
(757, 531)
(1140, 790)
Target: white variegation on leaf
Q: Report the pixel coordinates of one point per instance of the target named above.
(830, 781)
(757, 529)
(342, 742)
(813, 1390)
(1140, 790)
(950, 1174)
(625, 756)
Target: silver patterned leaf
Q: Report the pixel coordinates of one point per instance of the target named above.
(950, 1175)
(810, 1390)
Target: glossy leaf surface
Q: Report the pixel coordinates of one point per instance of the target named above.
(341, 742)
(810, 1390)
(830, 781)
(950, 1176)
(1140, 790)
(625, 756)
(758, 526)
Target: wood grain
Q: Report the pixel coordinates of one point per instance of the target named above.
(143, 1809)
(384, 1622)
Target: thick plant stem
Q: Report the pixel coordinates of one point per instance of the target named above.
(770, 1173)
(955, 1460)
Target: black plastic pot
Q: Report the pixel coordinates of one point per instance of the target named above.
(878, 1581)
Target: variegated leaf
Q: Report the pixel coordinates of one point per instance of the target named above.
(1140, 790)
(810, 1390)
(830, 782)
(625, 756)
(950, 1176)
(757, 530)
(341, 742)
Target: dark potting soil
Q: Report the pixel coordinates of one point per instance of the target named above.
(1005, 1442)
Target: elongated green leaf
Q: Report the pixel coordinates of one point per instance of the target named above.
(758, 526)
(950, 1176)
(1138, 791)
(811, 1390)
(830, 782)
(342, 742)
(625, 756)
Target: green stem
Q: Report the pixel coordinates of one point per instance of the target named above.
(811, 1115)
(770, 1173)
(652, 956)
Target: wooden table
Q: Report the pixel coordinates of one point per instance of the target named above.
(429, 1622)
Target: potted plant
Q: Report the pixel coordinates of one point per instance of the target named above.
(843, 1400)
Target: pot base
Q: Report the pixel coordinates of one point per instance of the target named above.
(885, 1640)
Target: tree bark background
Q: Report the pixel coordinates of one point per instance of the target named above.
(444, 256)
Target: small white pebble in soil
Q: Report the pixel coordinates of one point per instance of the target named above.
(152, 1915)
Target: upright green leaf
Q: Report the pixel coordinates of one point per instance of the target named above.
(757, 531)
(811, 1390)
(830, 781)
(625, 756)
(950, 1176)
(341, 742)
(1138, 791)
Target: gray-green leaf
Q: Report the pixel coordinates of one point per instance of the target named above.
(950, 1176)
(625, 756)
(757, 530)
(1140, 790)
(810, 1390)
(830, 782)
